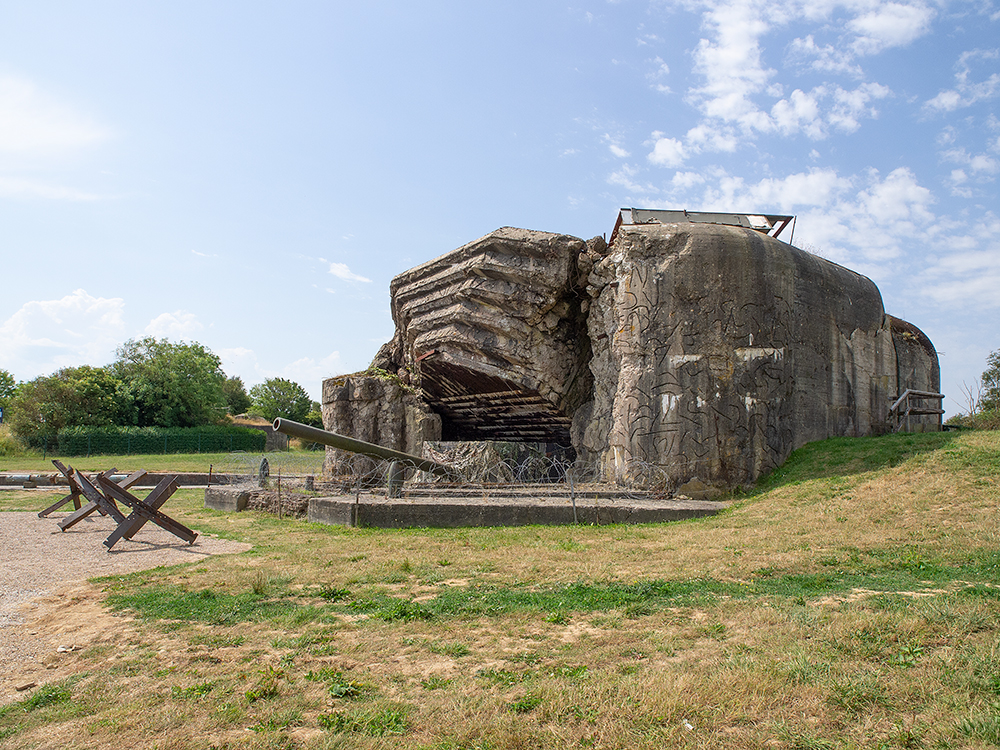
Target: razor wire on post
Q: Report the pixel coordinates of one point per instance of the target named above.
(446, 472)
(478, 469)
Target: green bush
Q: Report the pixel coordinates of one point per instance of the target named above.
(81, 441)
(8, 443)
(987, 419)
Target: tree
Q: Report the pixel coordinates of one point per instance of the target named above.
(315, 416)
(172, 385)
(72, 396)
(277, 397)
(7, 388)
(236, 396)
(990, 400)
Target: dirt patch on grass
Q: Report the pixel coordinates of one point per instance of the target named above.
(46, 602)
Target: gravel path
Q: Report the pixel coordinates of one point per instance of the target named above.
(38, 560)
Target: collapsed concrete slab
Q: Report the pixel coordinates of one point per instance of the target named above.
(698, 344)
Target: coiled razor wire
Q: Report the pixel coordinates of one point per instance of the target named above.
(254, 470)
(478, 469)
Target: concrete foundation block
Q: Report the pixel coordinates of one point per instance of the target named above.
(229, 500)
(332, 511)
(386, 514)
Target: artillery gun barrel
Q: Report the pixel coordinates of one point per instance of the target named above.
(304, 431)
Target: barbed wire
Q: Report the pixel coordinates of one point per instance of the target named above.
(255, 470)
(477, 469)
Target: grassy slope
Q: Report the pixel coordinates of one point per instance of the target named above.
(851, 601)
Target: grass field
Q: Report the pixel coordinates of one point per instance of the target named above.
(850, 602)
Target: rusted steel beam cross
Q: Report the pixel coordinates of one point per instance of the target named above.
(97, 501)
(74, 490)
(144, 511)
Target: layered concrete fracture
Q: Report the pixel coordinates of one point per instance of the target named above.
(699, 344)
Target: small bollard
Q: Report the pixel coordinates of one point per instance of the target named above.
(395, 484)
(310, 483)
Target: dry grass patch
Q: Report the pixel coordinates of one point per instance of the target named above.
(851, 601)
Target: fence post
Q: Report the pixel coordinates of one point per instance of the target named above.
(572, 491)
(88, 446)
(164, 443)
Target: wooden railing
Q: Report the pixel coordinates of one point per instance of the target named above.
(912, 404)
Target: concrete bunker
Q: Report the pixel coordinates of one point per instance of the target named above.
(697, 343)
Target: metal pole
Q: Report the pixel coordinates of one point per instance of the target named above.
(572, 492)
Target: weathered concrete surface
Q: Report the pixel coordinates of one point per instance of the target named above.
(710, 351)
(225, 499)
(916, 368)
(717, 350)
(457, 513)
(497, 319)
(377, 409)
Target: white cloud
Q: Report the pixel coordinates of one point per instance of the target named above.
(898, 198)
(667, 152)
(957, 180)
(732, 66)
(825, 59)
(307, 371)
(803, 111)
(890, 25)
(737, 82)
(614, 146)
(242, 362)
(946, 101)
(45, 335)
(713, 137)
(686, 180)
(11, 187)
(977, 163)
(36, 124)
(967, 92)
(624, 177)
(947, 136)
(37, 131)
(966, 272)
(658, 75)
(800, 112)
(817, 187)
(176, 325)
(310, 373)
(849, 106)
(341, 271)
(860, 221)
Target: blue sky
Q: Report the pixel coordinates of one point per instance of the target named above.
(251, 175)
